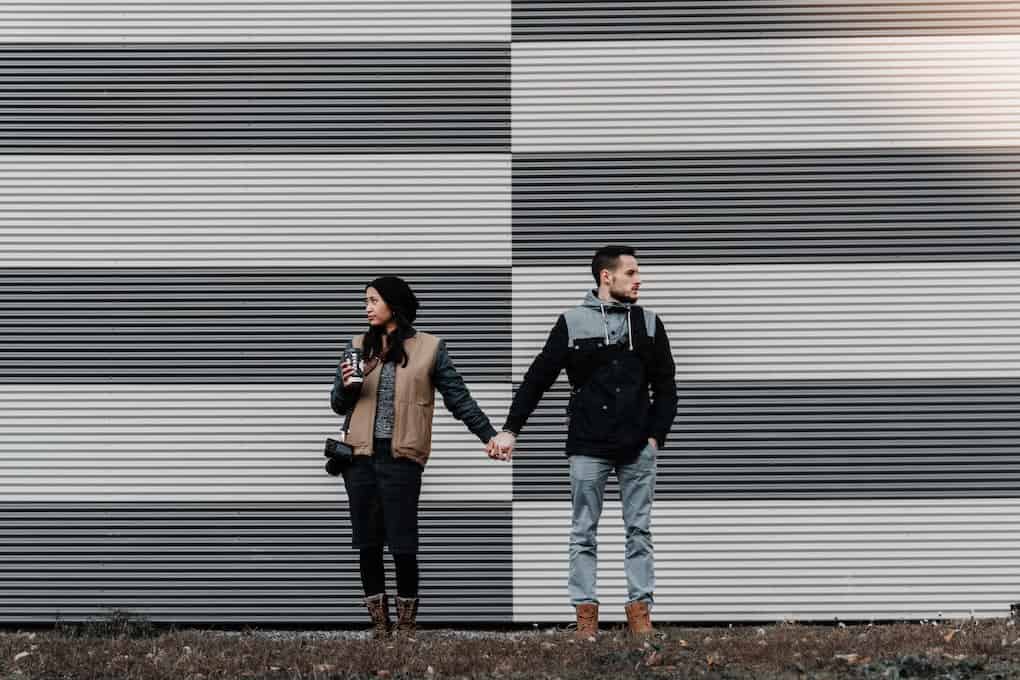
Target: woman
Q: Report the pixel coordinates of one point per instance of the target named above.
(391, 433)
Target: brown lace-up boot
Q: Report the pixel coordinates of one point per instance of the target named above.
(379, 610)
(407, 615)
(587, 621)
(639, 619)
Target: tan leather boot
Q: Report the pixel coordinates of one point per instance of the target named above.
(379, 610)
(587, 621)
(639, 619)
(407, 615)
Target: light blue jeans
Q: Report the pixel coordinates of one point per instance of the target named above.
(588, 477)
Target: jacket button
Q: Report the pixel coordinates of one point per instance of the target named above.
(617, 389)
(604, 407)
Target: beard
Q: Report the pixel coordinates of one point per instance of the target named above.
(623, 296)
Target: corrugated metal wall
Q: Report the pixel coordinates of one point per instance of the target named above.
(342, 211)
(192, 197)
(824, 198)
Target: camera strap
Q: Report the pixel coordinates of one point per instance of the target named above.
(346, 426)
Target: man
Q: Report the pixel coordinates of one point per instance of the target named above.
(613, 352)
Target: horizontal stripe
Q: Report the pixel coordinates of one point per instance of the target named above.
(729, 561)
(765, 94)
(615, 19)
(239, 325)
(170, 20)
(811, 439)
(808, 206)
(137, 443)
(418, 97)
(242, 563)
(265, 210)
(903, 321)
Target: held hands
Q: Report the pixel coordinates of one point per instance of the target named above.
(501, 447)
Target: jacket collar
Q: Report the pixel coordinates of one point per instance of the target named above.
(592, 300)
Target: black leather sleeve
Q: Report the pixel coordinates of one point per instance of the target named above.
(457, 397)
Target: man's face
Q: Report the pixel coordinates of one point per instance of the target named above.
(624, 281)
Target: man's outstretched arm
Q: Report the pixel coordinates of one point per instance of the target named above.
(540, 376)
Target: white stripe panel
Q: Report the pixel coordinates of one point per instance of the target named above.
(824, 321)
(84, 21)
(265, 210)
(209, 443)
(770, 560)
(758, 94)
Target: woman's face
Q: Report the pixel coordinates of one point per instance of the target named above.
(376, 309)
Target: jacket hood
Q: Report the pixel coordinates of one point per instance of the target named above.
(615, 319)
(592, 300)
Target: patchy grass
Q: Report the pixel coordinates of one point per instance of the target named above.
(118, 623)
(981, 649)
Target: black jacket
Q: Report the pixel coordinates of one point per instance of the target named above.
(623, 384)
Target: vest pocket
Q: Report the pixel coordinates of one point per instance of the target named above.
(415, 426)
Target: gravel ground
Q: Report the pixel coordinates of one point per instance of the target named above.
(423, 634)
(135, 650)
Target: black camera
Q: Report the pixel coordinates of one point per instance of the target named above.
(339, 456)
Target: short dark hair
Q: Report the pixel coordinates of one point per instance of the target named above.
(608, 257)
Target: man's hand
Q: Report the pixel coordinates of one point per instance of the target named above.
(501, 447)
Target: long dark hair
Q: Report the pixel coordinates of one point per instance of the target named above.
(404, 306)
(395, 340)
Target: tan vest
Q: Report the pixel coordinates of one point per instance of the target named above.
(414, 402)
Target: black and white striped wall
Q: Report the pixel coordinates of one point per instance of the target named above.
(825, 200)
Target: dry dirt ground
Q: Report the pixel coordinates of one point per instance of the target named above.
(133, 649)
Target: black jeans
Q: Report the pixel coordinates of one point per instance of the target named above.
(383, 493)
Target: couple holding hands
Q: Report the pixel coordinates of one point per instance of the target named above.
(622, 404)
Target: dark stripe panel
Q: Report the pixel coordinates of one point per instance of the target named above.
(255, 98)
(652, 19)
(760, 440)
(277, 325)
(770, 207)
(227, 563)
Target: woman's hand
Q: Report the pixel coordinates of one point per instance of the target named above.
(491, 450)
(347, 372)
